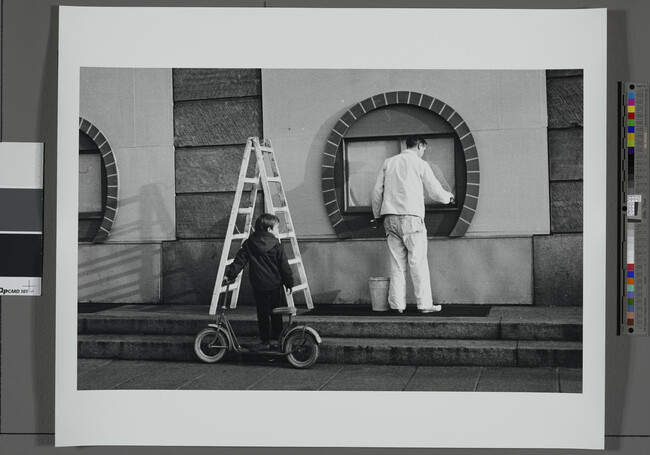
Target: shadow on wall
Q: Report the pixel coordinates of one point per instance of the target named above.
(315, 155)
(326, 265)
(190, 269)
(142, 217)
(126, 272)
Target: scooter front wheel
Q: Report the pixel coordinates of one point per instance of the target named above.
(302, 349)
(211, 345)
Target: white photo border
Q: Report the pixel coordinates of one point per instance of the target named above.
(315, 38)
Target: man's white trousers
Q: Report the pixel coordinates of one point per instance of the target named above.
(407, 242)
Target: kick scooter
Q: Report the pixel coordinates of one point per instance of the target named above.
(298, 343)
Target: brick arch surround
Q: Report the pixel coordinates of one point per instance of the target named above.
(110, 166)
(461, 130)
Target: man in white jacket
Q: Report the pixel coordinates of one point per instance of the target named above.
(398, 196)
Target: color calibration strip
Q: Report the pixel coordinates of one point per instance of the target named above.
(21, 218)
(629, 313)
(631, 124)
(634, 225)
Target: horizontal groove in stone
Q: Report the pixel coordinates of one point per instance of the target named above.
(421, 328)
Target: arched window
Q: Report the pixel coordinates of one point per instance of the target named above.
(374, 130)
(98, 184)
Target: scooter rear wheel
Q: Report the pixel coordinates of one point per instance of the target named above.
(211, 345)
(302, 349)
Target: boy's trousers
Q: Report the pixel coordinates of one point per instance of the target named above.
(270, 324)
(407, 242)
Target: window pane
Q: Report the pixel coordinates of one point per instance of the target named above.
(90, 182)
(440, 156)
(364, 160)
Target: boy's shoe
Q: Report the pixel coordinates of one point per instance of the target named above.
(433, 309)
(396, 310)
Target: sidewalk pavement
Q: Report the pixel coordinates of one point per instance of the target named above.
(103, 374)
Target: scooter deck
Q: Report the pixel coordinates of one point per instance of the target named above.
(252, 350)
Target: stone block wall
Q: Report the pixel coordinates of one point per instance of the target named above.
(215, 111)
(558, 256)
(462, 270)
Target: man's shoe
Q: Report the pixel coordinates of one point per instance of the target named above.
(396, 310)
(433, 309)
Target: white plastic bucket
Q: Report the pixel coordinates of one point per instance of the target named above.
(379, 293)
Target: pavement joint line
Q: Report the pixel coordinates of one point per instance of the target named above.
(200, 375)
(417, 367)
(478, 379)
(260, 379)
(192, 380)
(134, 377)
(124, 382)
(93, 369)
(331, 378)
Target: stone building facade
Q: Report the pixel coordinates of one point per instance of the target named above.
(178, 136)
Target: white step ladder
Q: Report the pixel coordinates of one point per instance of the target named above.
(271, 184)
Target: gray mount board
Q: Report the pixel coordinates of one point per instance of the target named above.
(29, 114)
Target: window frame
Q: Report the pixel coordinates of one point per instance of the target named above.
(93, 226)
(358, 226)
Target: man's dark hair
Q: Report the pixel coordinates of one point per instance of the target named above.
(266, 221)
(414, 141)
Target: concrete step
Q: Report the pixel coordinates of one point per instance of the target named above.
(383, 327)
(376, 351)
(503, 323)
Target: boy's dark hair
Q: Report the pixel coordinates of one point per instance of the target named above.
(266, 221)
(414, 141)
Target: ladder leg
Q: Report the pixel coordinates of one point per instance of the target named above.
(247, 228)
(276, 180)
(232, 222)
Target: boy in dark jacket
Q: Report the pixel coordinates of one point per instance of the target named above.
(268, 271)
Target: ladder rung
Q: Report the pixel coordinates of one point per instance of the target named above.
(266, 149)
(274, 179)
(250, 180)
(245, 210)
(230, 261)
(288, 235)
(232, 287)
(294, 261)
(281, 209)
(300, 287)
(240, 236)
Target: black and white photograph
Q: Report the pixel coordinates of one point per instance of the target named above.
(361, 226)
(430, 224)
